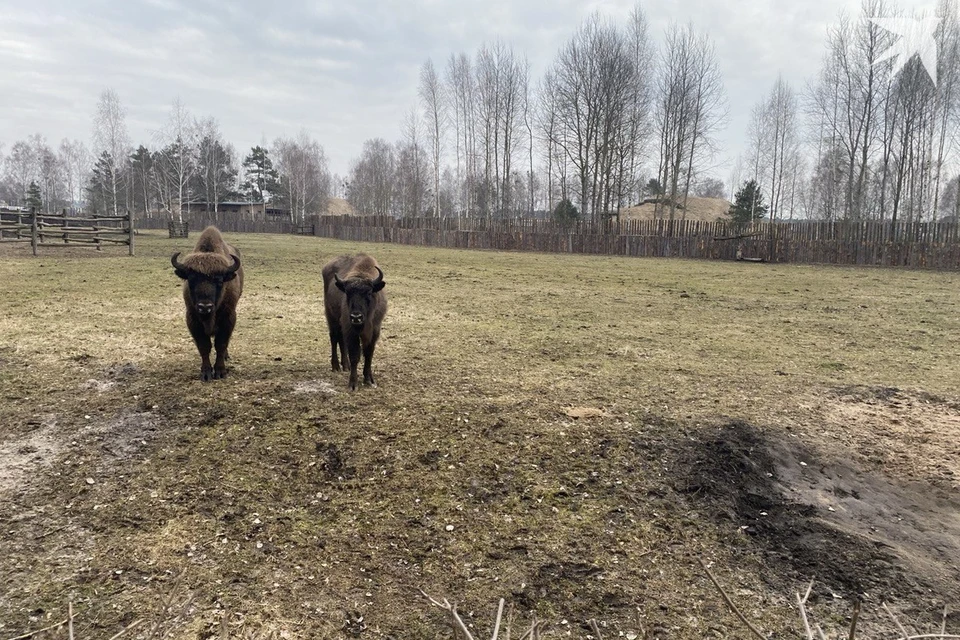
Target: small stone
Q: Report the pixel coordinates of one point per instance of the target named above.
(449, 527)
(91, 481)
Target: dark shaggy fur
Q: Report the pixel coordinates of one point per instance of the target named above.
(355, 304)
(213, 282)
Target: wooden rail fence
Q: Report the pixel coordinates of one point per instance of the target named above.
(49, 230)
(924, 245)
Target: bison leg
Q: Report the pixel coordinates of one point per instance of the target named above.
(368, 359)
(353, 352)
(222, 343)
(202, 340)
(336, 340)
(204, 346)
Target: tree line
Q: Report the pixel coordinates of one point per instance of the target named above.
(618, 119)
(188, 163)
(488, 140)
(620, 116)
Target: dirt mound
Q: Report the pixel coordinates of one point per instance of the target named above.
(339, 207)
(858, 534)
(702, 209)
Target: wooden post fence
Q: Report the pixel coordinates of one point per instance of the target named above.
(50, 230)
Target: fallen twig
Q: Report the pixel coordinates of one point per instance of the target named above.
(730, 604)
(853, 621)
(125, 629)
(595, 629)
(33, 633)
(896, 621)
(496, 625)
(452, 610)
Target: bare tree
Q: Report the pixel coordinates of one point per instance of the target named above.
(216, 171)
(600, 121)
(689, 101)
(75, 160)
(178, 154)
(304, 177)
(460, 92)
(110, 135)
(21, 168)
(775, 143)
(371, 187)
(434, 109)
(412, 177)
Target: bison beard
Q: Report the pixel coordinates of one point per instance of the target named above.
(213, 283)
(355, 305)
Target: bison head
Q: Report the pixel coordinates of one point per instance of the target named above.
(360, 296)
(206, 289)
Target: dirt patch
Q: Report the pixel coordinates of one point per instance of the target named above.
(314, 387)
(859, 534)
(915, 435)
(23, 459)
(126, 434)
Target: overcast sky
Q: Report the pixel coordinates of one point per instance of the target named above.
(344, 71)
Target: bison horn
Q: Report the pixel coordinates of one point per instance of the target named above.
(236, 264)
(176, 263)
(379, 277)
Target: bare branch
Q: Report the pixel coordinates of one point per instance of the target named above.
(496, 626)
(729, 602)
(130, 626)
(896, 621)
(33, 633)
(853, 621)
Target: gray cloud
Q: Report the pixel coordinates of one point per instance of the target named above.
(345, 72)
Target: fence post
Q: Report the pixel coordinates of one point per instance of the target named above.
(130, 223)
(33, 229)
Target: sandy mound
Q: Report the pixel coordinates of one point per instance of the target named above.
(339, 207)
(704, 209)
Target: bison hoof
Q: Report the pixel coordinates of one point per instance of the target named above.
(219, 374)
(335, 366)
(206, 375)
(370, 383)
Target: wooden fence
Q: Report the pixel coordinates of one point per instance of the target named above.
(224, 221)
(49, 230)
(919, 245)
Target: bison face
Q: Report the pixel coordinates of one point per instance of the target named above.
(360, 296)
(206, 289)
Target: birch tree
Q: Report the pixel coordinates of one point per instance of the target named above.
(110, 136)
(435, 115)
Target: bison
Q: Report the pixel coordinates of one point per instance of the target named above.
(355, 305)
(213, 282)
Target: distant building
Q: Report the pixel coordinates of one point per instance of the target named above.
(242, 209)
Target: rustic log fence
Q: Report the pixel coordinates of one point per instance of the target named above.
(51, 230)
(924, 245)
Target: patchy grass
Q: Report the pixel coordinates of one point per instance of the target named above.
(287, 504)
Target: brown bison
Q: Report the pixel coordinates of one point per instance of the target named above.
(355, 304)
(213, 282)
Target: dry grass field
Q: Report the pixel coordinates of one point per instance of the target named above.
(782, 423)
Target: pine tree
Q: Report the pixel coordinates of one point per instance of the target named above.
(34, 198)
(565, 212)
(261, 179)
(748, 204)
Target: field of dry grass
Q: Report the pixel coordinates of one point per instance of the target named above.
(780, 422)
